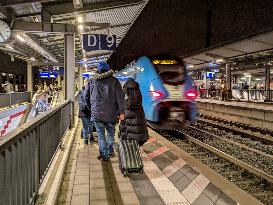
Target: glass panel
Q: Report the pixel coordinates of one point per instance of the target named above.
(171, 74)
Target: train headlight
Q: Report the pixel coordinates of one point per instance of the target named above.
(191, 94)
(156, 94)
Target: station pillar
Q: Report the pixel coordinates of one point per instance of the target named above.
(69, 71)
(228, 80)
(80, 77)
(267, 83)
(59, 80)
(29, 78)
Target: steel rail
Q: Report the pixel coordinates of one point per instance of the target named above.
(255, 136)
(229, 158)
(234, 143)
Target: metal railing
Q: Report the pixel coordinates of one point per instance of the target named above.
(253, 95)
(26, 153)
(9, 99)
(258, 95)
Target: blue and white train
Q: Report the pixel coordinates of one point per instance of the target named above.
(167, 90)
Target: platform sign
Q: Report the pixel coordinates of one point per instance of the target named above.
(47, 74)
(94, 42)
(210, 74)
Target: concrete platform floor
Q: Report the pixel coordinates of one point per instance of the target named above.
(242, 104)
(167, 179)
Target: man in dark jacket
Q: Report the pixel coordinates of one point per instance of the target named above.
(84, 114)
(105, 98)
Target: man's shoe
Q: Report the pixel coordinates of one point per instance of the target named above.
(102, 159)
(112, 155)
(105, 160)
(85, 142)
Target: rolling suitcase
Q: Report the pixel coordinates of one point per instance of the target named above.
(129, 157)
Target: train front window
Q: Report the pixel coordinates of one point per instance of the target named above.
(171, 74)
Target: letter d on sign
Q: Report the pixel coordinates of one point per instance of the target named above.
(92, 40)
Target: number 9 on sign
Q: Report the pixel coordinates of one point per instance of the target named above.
(110, 41)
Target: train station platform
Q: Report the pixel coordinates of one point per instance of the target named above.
(242, 104)
(254, 114)
(171, 176)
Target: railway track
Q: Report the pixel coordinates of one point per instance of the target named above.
(231, 155)
(256, 133)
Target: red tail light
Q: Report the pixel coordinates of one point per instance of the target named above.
(156, 94)
(191, 94)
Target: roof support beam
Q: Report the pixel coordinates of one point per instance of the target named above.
(16, 2)
(69, 7)
(46, 64)
(59, 9)
(28, 15)
(34, 27)
(41, 48)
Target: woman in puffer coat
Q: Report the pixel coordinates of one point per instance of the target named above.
(134, 126)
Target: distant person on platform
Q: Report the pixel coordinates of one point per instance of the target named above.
(224, 91)
(105, 98)
(8, 87)
(84, 114)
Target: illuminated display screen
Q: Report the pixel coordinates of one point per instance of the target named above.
(47, 74)
(164, 62)
(87, 74)
(210, 74)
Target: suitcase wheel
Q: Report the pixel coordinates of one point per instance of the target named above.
(125, 174)
(141, 171)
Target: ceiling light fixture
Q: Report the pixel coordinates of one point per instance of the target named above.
(80, 27)
(10, 47)
(190, 66)
(33, 59)
(80, 19)
(20, 38)
(220, 60)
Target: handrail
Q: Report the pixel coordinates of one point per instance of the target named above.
(26, 154)
(11, 136)
(253, 95)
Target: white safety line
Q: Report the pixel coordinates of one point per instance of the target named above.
(165, 188)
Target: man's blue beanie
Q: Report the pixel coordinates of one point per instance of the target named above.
(103, 66)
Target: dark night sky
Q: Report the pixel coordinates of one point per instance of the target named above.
(179, 27)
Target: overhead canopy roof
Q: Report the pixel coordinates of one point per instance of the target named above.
(112, 17)
(181, 28)
(258, 47)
